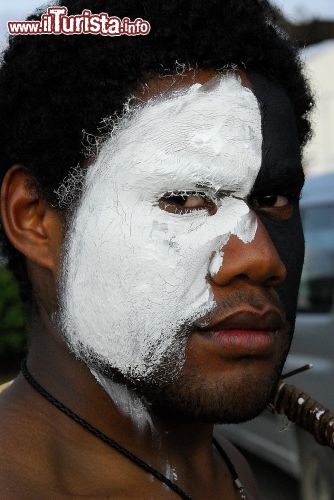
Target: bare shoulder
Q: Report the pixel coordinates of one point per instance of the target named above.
(9, 467)
(11, 471)
(241, 465)
(17, 457)
(15, 485)
(12, 488)
(5, 386)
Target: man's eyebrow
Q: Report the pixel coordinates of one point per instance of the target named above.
(224, 192)
(283, 177)
(220, 193)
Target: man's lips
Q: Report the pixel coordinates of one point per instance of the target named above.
(245, 332)
(268, 320)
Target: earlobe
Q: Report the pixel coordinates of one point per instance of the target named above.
(30, 224)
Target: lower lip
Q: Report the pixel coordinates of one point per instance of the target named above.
(242, 341)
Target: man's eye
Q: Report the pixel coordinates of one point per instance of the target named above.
(187, 202)
(274, 200)
(277, 206)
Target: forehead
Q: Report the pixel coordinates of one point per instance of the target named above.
(208, 128)
(277, 115)
(198, 132)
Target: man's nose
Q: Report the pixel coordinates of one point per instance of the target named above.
(257, 261)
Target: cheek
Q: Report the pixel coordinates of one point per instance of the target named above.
(140, 249)
(185, 247)
(288, 239)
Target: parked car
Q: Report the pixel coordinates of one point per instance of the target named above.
(269, 436)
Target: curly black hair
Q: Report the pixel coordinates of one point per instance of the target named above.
(54, 87)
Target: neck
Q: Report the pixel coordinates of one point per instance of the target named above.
(164, 441)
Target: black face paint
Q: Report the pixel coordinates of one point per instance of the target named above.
(281, 173)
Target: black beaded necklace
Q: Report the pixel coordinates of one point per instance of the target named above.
(116, 446)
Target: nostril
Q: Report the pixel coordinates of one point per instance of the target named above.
(276, 280)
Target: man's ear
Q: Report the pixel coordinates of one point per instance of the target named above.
(32, 226)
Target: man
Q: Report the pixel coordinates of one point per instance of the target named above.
(160, 260)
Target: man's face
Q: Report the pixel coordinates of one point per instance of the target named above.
(163, 280)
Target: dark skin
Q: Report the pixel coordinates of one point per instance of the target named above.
(50, 456)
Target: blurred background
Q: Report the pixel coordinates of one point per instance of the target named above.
(287, 463)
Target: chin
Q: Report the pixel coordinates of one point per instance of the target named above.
(225, 400)
(232, 395)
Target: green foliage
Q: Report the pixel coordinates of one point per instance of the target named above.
(12, 320)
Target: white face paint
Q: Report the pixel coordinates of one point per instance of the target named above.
(134, 274)
(129, 404)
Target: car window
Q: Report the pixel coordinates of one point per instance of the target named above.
(317, 285)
